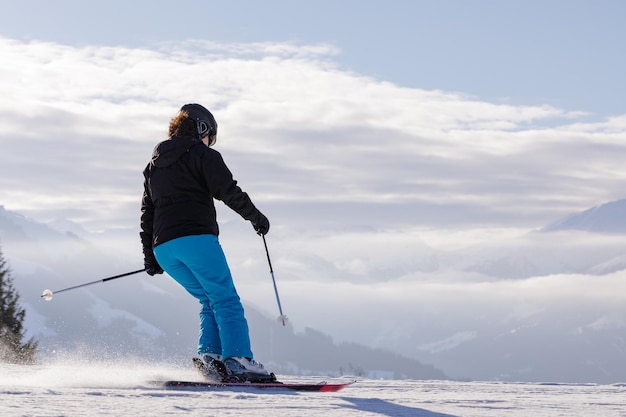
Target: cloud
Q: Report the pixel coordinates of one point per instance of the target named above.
(437, 308)
(78, 125)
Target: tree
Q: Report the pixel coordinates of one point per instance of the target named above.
(12, 350)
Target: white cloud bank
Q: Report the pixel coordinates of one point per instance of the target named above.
(78, 125)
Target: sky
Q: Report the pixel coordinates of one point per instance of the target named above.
(455, 115)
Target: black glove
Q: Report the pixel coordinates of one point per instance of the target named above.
(152, 266)
(261, 224)
(149, 261)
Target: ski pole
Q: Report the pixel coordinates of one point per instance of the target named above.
(282, 318)
(47, 294)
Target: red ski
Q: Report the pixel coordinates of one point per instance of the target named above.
(272, 386)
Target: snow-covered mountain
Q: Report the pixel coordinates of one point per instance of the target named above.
(605, 218)
(589, 242)
(151, 317)
(545, 306)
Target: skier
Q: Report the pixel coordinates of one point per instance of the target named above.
(180, 235)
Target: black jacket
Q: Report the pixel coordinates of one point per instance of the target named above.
(180, 183)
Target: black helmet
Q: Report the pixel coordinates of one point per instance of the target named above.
(207, 126)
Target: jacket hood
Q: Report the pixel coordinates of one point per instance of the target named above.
(170, 151)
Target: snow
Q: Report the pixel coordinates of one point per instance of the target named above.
(83, 389)
(105, 315)
(450, 342)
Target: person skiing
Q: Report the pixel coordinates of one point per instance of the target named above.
(179, 235)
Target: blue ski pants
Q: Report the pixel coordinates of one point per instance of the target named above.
(197, 262)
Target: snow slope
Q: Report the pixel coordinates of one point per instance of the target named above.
(126, 389)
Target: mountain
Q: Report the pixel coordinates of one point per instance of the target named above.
(605, 218)
(151, 317)
(588, 242)
(547, 305)
(566, 321)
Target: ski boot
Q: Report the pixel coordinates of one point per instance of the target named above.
(211, 367)
(242, 369)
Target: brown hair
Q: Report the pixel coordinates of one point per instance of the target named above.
(182, 125)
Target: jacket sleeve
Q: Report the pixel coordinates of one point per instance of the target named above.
(147, 217)
(224, 188)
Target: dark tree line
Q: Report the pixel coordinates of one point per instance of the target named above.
(13, 349)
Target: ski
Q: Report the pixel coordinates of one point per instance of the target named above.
(216, 377)
(271, 386)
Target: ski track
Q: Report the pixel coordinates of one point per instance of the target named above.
(86, 390)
